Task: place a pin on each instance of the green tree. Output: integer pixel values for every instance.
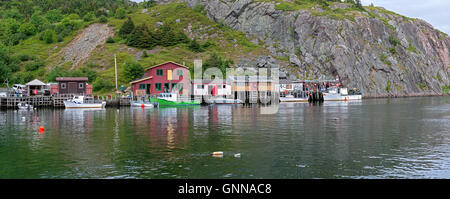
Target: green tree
(12, 13)
(149, 4)
(141, 37)
(73, 16)
(102, 84)
(32, 66)
(38, 21)
(127, 28)
(14, 39)
(49, 36)
(54, 16)
(195, 46)
(217, 61)
(167, 35)
(120, 13)
(110, 40)
(89, 17)
(5, 60)
(27, 29)
(132, 70)
(84, 72)
(103, 19)
(54, 73)
(12, 26)
(358, 4)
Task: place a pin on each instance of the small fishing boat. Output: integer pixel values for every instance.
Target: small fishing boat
(291, 98)
(340, 94)
(222, 100)
(172, 99)
(79, 102)
(142, 104)
(24, 106)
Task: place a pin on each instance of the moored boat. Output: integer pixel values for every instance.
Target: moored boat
(24, 106)
(291, 98)
(142, 104)
(340, 94)
(172, 99)
(79, 102)
(222, 100)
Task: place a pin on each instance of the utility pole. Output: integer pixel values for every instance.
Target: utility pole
(115, 67)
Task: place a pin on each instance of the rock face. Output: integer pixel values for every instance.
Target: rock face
(80, 48)
(380, 53)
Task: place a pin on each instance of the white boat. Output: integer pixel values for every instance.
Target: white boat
(291, 98)
(222, 100)
(339, 95)
(25, 106)
(78, 102)
(142, 104)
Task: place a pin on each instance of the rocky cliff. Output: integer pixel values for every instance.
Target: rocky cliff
(375, 50)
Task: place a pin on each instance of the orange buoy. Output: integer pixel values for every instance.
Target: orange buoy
(41, 129)
(217, 154)
(142, 106)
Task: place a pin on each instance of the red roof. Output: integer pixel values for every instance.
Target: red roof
(71, 79)
(171, 62)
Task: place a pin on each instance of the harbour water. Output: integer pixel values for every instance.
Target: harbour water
(373, 138)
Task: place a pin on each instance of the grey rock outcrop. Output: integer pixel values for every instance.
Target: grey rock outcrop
(80, 48)
(359, 50)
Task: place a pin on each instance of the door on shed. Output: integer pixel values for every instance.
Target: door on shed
(72, 87)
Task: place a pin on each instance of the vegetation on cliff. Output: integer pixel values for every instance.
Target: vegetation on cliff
(33, 40)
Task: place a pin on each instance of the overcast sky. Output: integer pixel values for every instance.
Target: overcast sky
(435, 12)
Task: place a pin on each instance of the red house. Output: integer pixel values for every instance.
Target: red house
(168, 77)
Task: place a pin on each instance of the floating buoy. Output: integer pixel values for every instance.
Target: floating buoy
(41, 129)
(217, 154)
(142, 106)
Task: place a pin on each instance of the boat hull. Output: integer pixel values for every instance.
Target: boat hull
(224, 101)
(338, 97)
(289, 99)
(69, 104)
(140, 104)
(162, 102)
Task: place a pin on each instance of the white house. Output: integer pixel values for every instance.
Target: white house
(208, 87)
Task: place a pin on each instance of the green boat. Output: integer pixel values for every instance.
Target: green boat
(171, 99)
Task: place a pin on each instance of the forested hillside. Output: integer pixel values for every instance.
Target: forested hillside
(49, 38)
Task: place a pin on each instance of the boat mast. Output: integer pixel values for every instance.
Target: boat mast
(115, 68)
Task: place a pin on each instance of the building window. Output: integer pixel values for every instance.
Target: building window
(142, 86)
(80, 85)
(166, 87)
(224, 86)
(63, 85)
(158, 86)
(180, 72)
(178, 86)
(159, 72)
(199, 86)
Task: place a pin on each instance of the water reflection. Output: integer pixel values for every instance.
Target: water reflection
(379, 138)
